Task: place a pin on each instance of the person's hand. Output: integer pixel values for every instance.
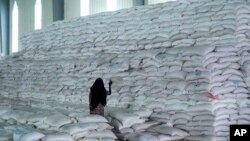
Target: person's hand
(110, 82)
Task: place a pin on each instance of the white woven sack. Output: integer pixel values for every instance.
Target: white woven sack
(199, 50)
(175, 75)
(127, 130)
(206, 138)
(163, 137)
(234, 66)
(78, 127)
(180, 106)
(102, 134)
(214, 66)
(224, 128)
(218, 106)
(26, 134)
(180, 121)
(241, 92)
(141, 137)
(219, 78)
(124, 117)
(79, 135)
(57, 120)
(117, 124)
(173, 62)
(200, 107)
(104, 126)
(144, 126)
(221, 122)
(178, 36)
(224, 111)
(5, 134)
(197, 75)
(244, 110)
(59, 137)
(226, 49)
(161, 115)
(177, 85)
(243, 121)
(183, 43)
(222, 90)
(107, 139)
(196, 86)
(163, 129)
(4, 109)
(153, 104)
(181, 116)
(143, 112)
(32, 136)
(238, 84)
(192, 64)
(91, 118)
(89, 139)
(18, 115)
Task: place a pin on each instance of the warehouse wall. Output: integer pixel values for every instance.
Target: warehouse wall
(72, 10)
(47, 15)
(26, 10)
(172, 58)
(124, 4)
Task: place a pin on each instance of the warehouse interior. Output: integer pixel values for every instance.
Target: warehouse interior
(179, 69)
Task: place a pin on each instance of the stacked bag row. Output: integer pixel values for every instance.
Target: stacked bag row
(135, 125)
(27, 124)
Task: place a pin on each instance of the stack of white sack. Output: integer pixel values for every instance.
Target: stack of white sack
(158, 133)
(126, 118)
(194, 114)
(48, 125)
(5, 135)
(167, 133)
(27, 133)
(128, 121)
(180, 98)
(7, 120)
(243, 37)
(89, 127)
(226, 88)
(188, 74)
(245, 68)
(51, 120)
(135, 125)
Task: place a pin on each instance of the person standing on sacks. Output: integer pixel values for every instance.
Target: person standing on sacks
(98, 97)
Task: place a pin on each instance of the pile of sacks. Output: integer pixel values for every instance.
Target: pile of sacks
(201, 93)
(188, 75)
(182, 99)
(227, 89)
(187, 97)
(135, 125)
(243, 37)
(39, 124)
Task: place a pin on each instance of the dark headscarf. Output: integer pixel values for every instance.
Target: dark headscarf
(98, 93)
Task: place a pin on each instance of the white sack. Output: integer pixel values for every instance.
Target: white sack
(91, 118)
(102, 134)
(59, 137)
(57, 120)
(78, 127)
(141, 137)
(163, 129)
